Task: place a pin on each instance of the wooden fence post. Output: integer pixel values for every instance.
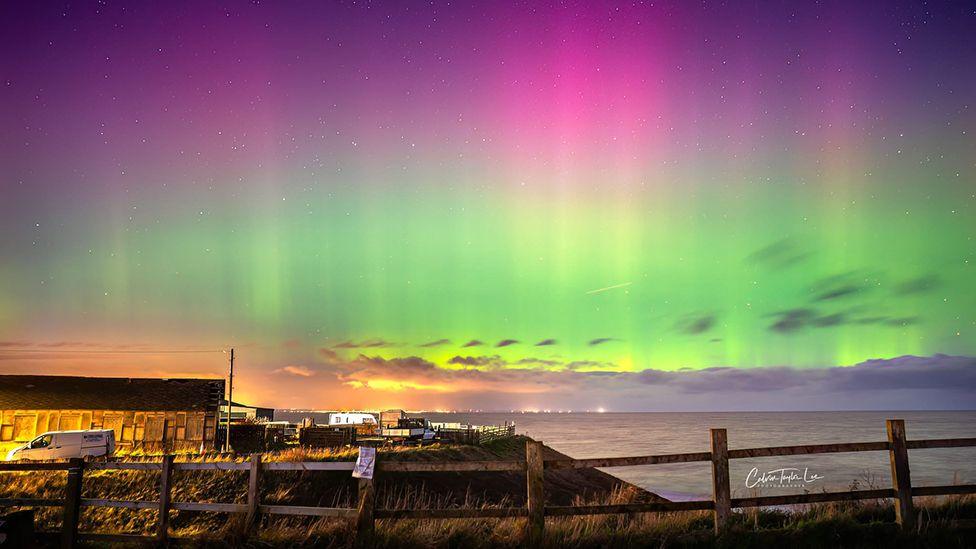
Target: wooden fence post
(901, 479)
(721, 491)
(72, 504)
(254, 489)
(365, 522)
(535, 500)
(165, 494)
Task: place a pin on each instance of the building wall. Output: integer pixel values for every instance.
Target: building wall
(133, 429)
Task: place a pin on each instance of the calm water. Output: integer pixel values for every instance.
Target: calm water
(582, 435)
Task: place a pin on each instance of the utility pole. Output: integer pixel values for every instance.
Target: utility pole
(230, 399)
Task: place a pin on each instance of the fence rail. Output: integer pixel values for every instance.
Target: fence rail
(533, 466)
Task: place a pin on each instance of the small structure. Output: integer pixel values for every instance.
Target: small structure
(327, 437)
(244, 412)
(391, 418)
(170, 414)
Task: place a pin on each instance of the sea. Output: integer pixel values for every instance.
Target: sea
(592, 435)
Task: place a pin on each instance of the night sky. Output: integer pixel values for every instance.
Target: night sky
(496, 205)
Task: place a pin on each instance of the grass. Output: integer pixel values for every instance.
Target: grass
(866, 523)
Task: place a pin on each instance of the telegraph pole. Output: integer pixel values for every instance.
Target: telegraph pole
(230, 399)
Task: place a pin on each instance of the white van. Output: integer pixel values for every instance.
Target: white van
(66, 444)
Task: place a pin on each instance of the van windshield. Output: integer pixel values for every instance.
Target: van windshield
(42, 441)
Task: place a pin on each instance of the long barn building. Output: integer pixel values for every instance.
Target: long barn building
(173, 414)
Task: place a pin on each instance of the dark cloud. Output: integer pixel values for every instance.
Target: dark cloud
(437, 343)
(589, 365)
(826, 321)
(506, 342)
(780, 254)
(601, 340)
(919, 285)
(497, 362)
(792, 320)
(871, 320)
(329, 355)
(940, 372)
(943, 382)
(888, 321)
(546, 342)
(842, 286)
(473, 343)
(697, 324)
(368, 344)
(949, 373)
(539, 362)
(839, 292)
(477, 360)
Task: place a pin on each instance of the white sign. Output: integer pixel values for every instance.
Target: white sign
(365, 463)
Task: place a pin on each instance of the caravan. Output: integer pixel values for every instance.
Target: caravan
(351, 418)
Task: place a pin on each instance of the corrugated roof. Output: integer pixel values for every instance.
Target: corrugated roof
(108, 393)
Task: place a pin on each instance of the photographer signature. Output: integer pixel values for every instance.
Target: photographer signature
(787, 476)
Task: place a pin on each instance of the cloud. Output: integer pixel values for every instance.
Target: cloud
(780, 254)
(300, 371)
(507, 342)
(792, 320)
(903, 373)
(369, 343)
(545, 342)
(919, 285)
(829, 320)
(699, 324)
(473, 343)
(601, 341)
(437, 343)
(497, 362)
(329, 354)
(490, 382)
(842, 286)
(838, 292)
(477, 360)
(538, 362)
(591, 365)
(416, 375)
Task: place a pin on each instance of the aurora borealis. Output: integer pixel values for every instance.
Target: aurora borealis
(466, 205)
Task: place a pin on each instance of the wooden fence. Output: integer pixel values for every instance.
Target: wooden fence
(534, 467)
(475, 435)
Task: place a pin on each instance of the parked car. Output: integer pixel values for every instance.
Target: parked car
(65, 445)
